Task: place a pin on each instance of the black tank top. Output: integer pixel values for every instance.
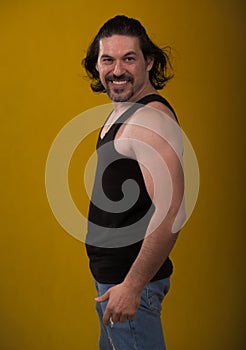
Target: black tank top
(120, 208)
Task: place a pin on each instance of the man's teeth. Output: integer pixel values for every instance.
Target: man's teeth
(119, 82)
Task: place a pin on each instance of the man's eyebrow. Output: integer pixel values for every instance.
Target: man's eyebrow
(130, 53)
(125, 55)
(107, 56)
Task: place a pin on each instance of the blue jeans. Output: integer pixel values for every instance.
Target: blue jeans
(145, 331)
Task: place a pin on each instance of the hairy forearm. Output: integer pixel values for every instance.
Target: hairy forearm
(154, 251)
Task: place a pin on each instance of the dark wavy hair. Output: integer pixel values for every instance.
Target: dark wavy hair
(161, 71)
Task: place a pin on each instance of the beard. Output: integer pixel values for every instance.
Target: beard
(119, 94)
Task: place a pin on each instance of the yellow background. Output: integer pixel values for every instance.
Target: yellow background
(46, 292)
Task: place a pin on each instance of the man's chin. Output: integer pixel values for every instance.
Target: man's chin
(119, 96)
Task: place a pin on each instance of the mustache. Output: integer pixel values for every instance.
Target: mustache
(119, 78)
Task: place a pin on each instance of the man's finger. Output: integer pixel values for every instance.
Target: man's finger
(106, 317)
(123, 319)
(103, 297)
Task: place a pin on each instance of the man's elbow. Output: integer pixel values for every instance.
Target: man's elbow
(179, 218)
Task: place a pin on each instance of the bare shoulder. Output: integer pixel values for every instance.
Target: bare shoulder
(150, 125)
(154, 127)
(152, 119)
(163, 108)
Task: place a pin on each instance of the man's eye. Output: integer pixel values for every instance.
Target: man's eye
(129, 59)
(107, 60)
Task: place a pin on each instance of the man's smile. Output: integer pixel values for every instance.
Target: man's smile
(122, 82)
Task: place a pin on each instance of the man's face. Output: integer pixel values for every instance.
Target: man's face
(122, 68)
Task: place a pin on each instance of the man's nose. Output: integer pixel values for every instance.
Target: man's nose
(119, 68)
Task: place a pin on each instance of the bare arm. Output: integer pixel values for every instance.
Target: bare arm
(164, 182)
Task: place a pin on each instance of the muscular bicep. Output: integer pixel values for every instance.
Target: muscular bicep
(162, 171)
(155, 141)
(161, 168)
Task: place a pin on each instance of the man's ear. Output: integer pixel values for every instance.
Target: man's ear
(149, 63)
(96, 66)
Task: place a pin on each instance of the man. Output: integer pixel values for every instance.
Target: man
(136, 210)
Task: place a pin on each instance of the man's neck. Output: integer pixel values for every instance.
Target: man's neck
(118, 106)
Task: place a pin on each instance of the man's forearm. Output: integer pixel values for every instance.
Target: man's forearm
(154, 251)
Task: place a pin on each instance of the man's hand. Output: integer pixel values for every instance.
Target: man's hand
(123, 303)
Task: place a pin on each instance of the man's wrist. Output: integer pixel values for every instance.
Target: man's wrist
(135, 283)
